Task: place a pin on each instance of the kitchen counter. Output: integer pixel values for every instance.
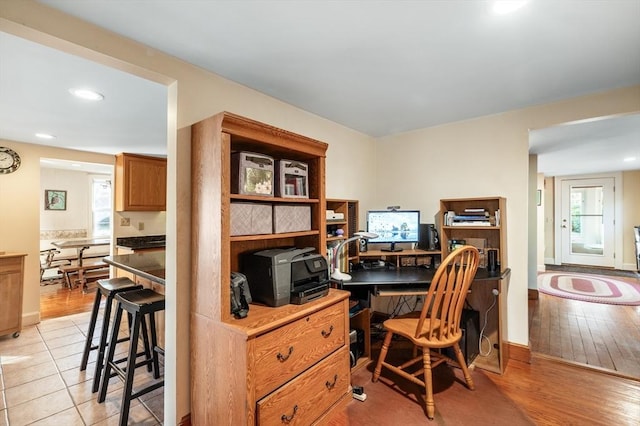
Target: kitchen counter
(141, 243)
(149, 265)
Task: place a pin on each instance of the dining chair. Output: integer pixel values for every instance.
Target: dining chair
(438, 325)
(48, 261)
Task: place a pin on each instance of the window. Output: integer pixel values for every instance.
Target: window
(101, 206)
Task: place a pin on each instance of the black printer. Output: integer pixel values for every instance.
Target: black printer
(280, 276)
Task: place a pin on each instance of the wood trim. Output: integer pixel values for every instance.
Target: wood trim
(519, 352)
(580, 365)
(532, 294)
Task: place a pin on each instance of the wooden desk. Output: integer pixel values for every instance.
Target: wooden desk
(412, 281)
(81, 245)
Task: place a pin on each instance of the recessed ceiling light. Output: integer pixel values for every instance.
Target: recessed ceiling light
(45, 136)
(87, 94)
(630, 159)
(504, 7)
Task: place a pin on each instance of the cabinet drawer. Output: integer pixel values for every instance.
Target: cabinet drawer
(304, 399)
(284, 353)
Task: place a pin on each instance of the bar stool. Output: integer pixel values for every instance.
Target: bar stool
(137, 303)
(107, 288)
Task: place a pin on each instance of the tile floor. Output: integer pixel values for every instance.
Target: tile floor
(41, 382)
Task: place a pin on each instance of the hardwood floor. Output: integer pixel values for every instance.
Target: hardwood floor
(547, 391)
(552, 392)
(600, 336)
(57, 301)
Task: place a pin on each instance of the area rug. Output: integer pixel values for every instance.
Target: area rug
(395, 401)
(589, 288)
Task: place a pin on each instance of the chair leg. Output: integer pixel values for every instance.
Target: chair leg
(383, 355)
(145, 343)
(130, 371)
(428, 384)
(154, 344)
(110, 354)
(463, 366)
(92, 327)
(102, 347)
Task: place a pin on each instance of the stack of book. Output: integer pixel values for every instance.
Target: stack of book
(470, 217)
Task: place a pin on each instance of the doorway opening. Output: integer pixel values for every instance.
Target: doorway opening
(85, 215)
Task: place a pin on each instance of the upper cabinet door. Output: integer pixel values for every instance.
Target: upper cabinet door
(140, 183)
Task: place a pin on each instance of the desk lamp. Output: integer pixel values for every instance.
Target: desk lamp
(337, 274)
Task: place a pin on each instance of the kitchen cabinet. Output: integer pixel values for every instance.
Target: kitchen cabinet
(11, 289)
(286, 364)
(140, 183)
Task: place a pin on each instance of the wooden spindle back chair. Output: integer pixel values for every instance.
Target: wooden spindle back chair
(438, 325)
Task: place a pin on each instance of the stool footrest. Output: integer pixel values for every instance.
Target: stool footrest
(117, 371)
(148, 389)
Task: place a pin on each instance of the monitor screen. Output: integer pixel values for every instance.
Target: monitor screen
(394, 226)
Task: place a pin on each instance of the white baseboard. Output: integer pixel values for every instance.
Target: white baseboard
(30, 318)
(629, 267)
(549, 261)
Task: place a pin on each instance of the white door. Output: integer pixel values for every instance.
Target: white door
(587, 221)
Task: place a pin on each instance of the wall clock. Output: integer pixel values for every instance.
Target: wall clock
(9, 160)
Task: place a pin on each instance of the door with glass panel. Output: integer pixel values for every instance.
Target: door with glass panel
(587, 221)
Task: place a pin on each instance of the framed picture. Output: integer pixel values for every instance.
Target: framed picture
(55, 199)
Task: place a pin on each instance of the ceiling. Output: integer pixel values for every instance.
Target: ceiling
(379, 67)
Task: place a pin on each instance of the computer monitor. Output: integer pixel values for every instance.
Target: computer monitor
(394, 226)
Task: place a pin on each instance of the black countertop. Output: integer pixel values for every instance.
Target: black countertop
(139, 243)
(149, 265)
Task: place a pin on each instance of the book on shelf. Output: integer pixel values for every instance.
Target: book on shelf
(475, 210)
(471, 223)
(464, 217)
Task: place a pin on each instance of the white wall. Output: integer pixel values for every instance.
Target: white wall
(486, 156)
(78, 187)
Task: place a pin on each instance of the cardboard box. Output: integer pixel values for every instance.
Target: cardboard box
(292, 179)
(252, 174)
(251, 219)
(291, 218)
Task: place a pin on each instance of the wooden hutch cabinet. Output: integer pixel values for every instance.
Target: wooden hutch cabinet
(279, 364)
(140, 183)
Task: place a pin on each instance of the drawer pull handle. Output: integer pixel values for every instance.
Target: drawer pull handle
(287, 419)
(283, 358)
(330, 385)
(327, 333)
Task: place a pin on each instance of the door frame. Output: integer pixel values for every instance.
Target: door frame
(617, 214)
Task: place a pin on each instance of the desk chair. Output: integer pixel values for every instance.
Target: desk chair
(438, 325)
